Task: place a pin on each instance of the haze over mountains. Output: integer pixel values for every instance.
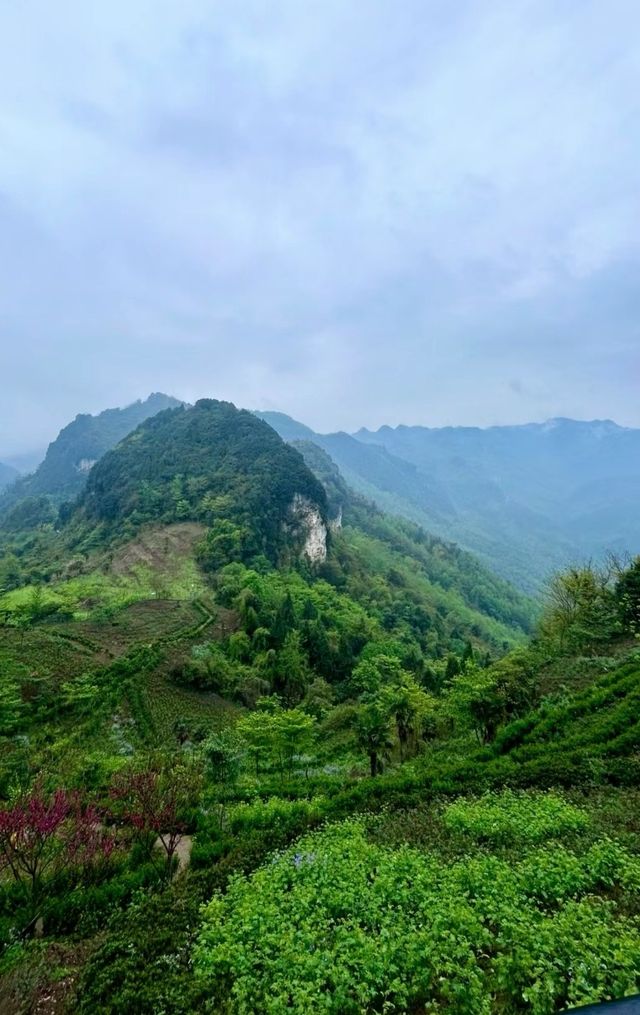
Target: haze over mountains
(69, 458)
(7, 475)
(525, 499)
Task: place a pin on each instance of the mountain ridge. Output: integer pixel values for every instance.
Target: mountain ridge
(8, 475)
(524, 498)
(82, 442)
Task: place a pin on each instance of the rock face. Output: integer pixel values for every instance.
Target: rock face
(308, 519)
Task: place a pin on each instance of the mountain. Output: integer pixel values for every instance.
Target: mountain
(214, 464)
(222, 663)
(440, 575)
(375, 472)
(70, 457)
(527, 500)
(7, 475)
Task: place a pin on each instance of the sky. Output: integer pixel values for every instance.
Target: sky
(354, 211)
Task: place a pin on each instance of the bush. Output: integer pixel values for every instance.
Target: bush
(143, 966)
(515, 817)
(343, 925)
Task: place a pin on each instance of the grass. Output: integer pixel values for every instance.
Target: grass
(156, 565)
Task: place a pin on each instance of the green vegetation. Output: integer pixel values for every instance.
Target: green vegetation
(211, 463)
(69, 458)
(340, 924)
(236, 779)
(525, 500)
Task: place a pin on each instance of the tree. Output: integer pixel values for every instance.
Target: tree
(291, 670)
(239, 646)
(276, 735)
(452, 668)
(373, 732)
(467, 655)
(223, 754)
(295, 733)
(285, 620)
(257, 731)
(319, 698)
(155, 799)
(41, 835)
(411, 708)
(485, 698)
(223, 543)
(582, 611)
(374, 671)
(627, 593)
(318, 646)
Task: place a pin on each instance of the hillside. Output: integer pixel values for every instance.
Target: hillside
(525, 499)
(210, 463)
(274, 778)
(70, 457)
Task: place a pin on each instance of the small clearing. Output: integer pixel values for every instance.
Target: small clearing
(157, 548)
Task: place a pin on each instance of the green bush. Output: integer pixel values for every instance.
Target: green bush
(515, 817)
(143, 967)
(339, 924)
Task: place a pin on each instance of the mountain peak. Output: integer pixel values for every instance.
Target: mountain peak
(216, 464)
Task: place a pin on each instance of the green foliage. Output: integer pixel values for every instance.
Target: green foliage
(224, 754)
(484, 699)
(211, 463)
(277, 737)
(582, 611)
(515, 817)
(143, 964)
(63, 472)
(392, 651)
(373, 733)
(29, 513)
(369, 927)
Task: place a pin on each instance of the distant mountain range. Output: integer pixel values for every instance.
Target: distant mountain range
(526, 499)
(63, 472)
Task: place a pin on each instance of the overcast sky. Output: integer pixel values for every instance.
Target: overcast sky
(356, 211)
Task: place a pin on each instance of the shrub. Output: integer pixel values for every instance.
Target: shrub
(343, 925)
(512, 816)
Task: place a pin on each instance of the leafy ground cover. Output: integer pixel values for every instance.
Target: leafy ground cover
(339, 923)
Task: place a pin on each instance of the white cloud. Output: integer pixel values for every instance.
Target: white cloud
(356, 212)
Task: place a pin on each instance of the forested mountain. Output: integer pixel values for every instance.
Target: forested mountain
(264, 747)
(7, 475)
(526, 499)
(77, 447)
(209, 463)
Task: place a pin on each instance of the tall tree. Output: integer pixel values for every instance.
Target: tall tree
(373, 732)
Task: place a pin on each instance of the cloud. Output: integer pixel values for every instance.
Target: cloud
(356, 213)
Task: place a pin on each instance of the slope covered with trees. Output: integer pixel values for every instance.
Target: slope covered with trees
(526, 500)
(234, 778)
(75, 450)
(210, 463)
(7, 475)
